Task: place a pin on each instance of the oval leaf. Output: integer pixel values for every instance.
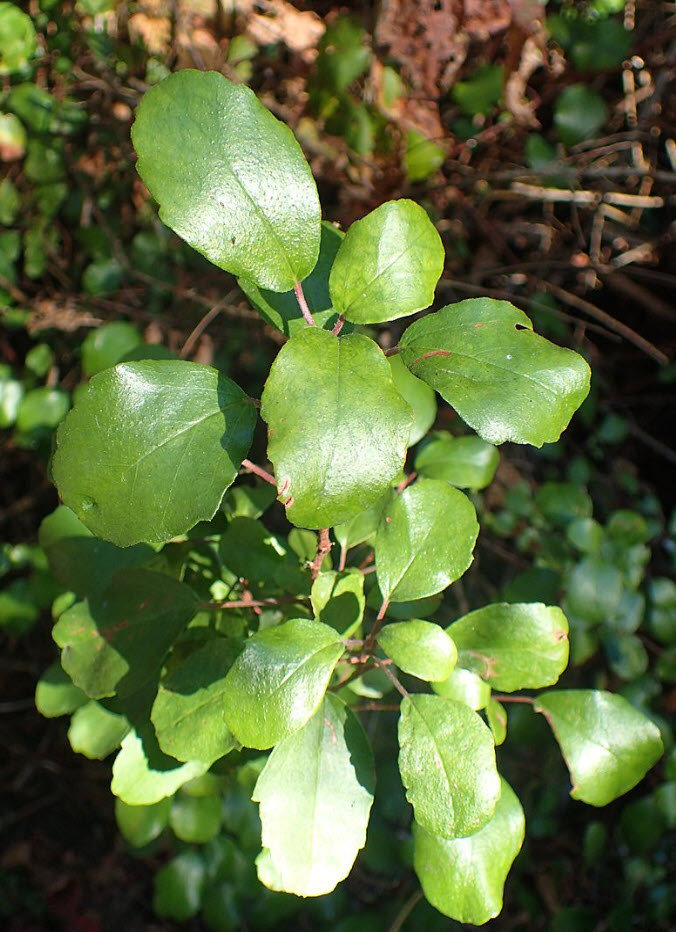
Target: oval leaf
(513, 646)
(466, 462)
(419, 648)
(607, 744)
(116, 641)
(447, 764)
(388, 264)
(230, 179)
(278, 681)
(424, 540)
(505, 381)
(338, 427)
(317, 789)
(150, 448)
(188, 711)
(418, 394)
(464, 877)
(338, 600)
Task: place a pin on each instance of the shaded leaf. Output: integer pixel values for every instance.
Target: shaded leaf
(116, 641)
(338, 600)
(466, 462)
(465, 687)
(188, 711)
(56, 694)
(139, 825)
(95, 731)
(418, 394)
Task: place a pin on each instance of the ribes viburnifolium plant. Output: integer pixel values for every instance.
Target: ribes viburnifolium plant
(197, 645)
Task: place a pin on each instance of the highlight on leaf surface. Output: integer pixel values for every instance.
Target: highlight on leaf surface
(608, 745)
(229, 177)
(150, 448)
(505, 381)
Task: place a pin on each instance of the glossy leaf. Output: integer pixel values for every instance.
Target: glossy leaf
(464, 877)
(505, 381)
(388, 265)
(513, 646)
(230, 179)
(95, 731)
(338, 427)
(143, 774)
(150, 448)
(466, 462)
(424, 541)
(338, 600)
(496, 717)
(420, 397)
(447, 764)
(81, 562)
(279, 680)
(116, 641)
(608, 745)
(282, 311)
(188, 711)
(419, 648)
(317, 789)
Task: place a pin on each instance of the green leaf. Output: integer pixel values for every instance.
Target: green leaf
(139, 825)
(505, 381)
(95, 731)
(338, 600)
(249, 550)
(513, 646)
(419, 648)
(80, 561)
(56, 694)
(608, 745)
(594, 590)
(497, 720)
(338, 427)
(362, 528)
(388, 265)
(230, 179)
(188, 711)
(422, 157)
(420, 397)
(116, 641)
(464, 877)
(282, 311)
(143, 774)
(447, 764)
(562, 502)
(195, 819)
(18, 41)
(465, 687)
(579, 114)
(178, 886)
(108, 345)
(150, 448)
(279, 680)
(317, 789)
(481, 92)
(416, 556)
(466, 462)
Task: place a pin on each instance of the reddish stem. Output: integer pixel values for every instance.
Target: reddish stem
(338, 326)
(324, 546)
(302, 303)
(259, 471)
